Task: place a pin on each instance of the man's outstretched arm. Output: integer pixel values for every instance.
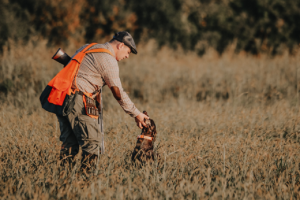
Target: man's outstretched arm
(112, 79)
(140, 118)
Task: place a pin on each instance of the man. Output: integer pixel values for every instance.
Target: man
(95, 71)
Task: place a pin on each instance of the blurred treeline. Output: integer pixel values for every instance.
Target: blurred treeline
(254, 26)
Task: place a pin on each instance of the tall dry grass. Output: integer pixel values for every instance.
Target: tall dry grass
(228, 127)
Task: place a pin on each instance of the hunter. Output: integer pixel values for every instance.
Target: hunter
(95, 71)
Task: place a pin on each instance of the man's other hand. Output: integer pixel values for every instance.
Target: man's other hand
(140, 120)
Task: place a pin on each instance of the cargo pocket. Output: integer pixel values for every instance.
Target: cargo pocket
(88, 134)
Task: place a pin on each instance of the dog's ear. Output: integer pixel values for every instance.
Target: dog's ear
(145, 113)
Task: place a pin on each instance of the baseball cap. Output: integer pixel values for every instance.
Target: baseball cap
(127, 39)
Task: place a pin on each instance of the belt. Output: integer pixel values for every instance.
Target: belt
(81, 93)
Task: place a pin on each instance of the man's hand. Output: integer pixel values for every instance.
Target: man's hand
(140, 120)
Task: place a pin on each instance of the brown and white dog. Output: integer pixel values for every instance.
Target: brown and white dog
(143, 150)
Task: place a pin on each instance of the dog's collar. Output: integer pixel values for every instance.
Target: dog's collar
(145, 137)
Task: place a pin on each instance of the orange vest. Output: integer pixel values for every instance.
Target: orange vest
(54, 96)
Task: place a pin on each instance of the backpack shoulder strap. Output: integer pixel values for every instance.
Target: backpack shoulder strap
(87, 47)
(99, 50)
(79, 56)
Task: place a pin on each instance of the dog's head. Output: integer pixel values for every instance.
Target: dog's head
(150, 130)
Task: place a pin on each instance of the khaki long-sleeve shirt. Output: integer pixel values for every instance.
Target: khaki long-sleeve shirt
(99, 69)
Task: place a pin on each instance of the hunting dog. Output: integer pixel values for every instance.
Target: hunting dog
(143, 150)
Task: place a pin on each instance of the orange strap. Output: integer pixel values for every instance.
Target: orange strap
(145, 137)
(99, 50)
(80, 55)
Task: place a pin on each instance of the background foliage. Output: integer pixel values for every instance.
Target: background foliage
(254, 25)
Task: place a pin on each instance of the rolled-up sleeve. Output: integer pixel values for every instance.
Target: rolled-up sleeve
(110, 75)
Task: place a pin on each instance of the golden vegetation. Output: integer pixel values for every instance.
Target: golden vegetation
(228, 127)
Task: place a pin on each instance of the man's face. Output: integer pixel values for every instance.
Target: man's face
(123, 52)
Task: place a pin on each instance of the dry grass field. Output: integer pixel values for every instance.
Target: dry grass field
(228, 128)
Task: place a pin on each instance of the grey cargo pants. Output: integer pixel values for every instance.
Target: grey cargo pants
(78, 129)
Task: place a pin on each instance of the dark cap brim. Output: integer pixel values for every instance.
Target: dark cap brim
(134, 51)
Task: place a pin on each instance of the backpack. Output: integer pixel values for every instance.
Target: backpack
(57, 96)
